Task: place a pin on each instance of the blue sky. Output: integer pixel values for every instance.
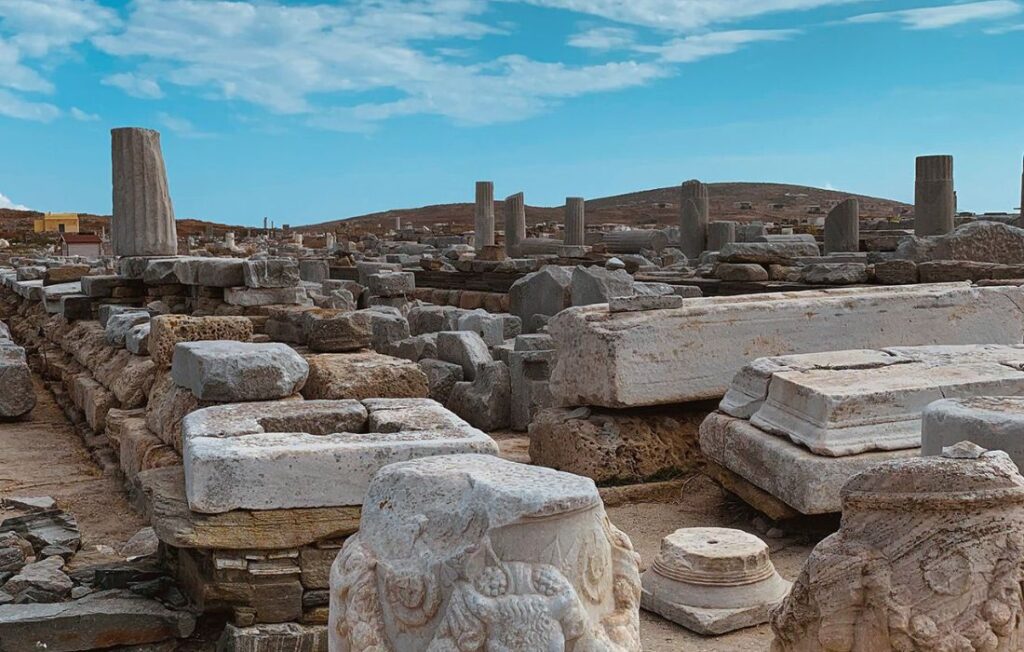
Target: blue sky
(305, 112)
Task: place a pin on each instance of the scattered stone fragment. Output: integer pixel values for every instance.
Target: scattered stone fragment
(363, 375)
(466, 349)
(486, 401)
(238, 371)
(441, 378)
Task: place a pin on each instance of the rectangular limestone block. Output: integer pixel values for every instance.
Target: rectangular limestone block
(691, 353)
(852, 411)
(168, 330)
(806, 482)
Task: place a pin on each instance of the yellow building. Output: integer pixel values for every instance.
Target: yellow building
(58, 222)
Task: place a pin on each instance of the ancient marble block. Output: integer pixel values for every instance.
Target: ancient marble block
(633, 241)
(741, 272)
(224, 370)
(211, 272)
(363, 375)
(118, 325)
(75, 306)
(485, 402)
(392, 284)
(842, 227)
(640, 303)
(314, 270)
(472, 552)
(137, 339)
(143, 216)
(246, 296)
(441, 378)
(464, 348)
(597, 285)
(927, 557)
(100, 286)
(166, 331)
(270, 272)
(806, 482)
(691, 353)
(992, 422)
(766, 253)
(835, 274)
(332, 331)
(530, 378)
(17, 394)
(284, 455)
(988, 242)
(543, 293)
(712, 580)
(845, 412)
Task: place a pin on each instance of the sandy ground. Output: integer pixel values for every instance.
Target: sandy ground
(42, 455)
(699, 503)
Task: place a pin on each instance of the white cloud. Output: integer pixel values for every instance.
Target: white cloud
(15, 106)
(603, 38)
(1005, 29)
(82, 116)
(181, 126)
(694, 48)
(944, 16)
(683, 15)
(134, 85)
(5, 202)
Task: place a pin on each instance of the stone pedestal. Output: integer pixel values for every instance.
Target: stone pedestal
(474, 553)
(721, 233)
(515, 223)
(484, 214)
(928, 557)
(713, 580)
(934, 199)
(143, 218)
(693, 218)
(842, 227)
(575, 226)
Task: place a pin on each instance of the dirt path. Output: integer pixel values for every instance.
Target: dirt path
(42, 455)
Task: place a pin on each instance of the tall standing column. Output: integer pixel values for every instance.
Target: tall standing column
(693, 218)
(515, 223)
(1021, 221)
(842, 227)
(484, 216)
(143, 220)
(934, 199)
(575, 225)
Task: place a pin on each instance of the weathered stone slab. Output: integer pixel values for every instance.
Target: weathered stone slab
(17, 394)
(766, 253)
(168, 330)
(246, 296)
(808, 483)
(332, 331)
(90, 624)
(270, 273)
(238, 371)
(363, 375)
(988, 242)
(540, 294)
(486, 401)
(691, 353)
(211, 272)
(992, 422)
(116, 330)
(310, 453)
(464, 348)
(176, 525)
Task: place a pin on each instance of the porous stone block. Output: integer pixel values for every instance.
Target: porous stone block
(616, 446)
(479, 516)
(713, 580)
(808, 483)
(166, 331)
(916, 536)
(992, 422)
(288, 455)
(270, 272)
(363, 375)
(221, 370)
(466, 349)
(64, 274)
(982, 241)
(691, 353)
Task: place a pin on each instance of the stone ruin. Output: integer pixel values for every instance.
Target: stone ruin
(553, 437)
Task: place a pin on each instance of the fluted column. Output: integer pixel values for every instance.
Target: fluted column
(934, 199)
(143, 219)
(575, 226)
(515, 223)
(842, 227)
(484, 215)
(721, 233)
(693, 218)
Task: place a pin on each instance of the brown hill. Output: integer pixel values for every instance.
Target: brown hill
(657, 207)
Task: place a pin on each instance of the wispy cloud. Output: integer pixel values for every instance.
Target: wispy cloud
(82, 116)
(5, 202)
(15, 106)
(134, 85)
(181, 126)
(603, 38)
(694, 48)
(944, 16)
